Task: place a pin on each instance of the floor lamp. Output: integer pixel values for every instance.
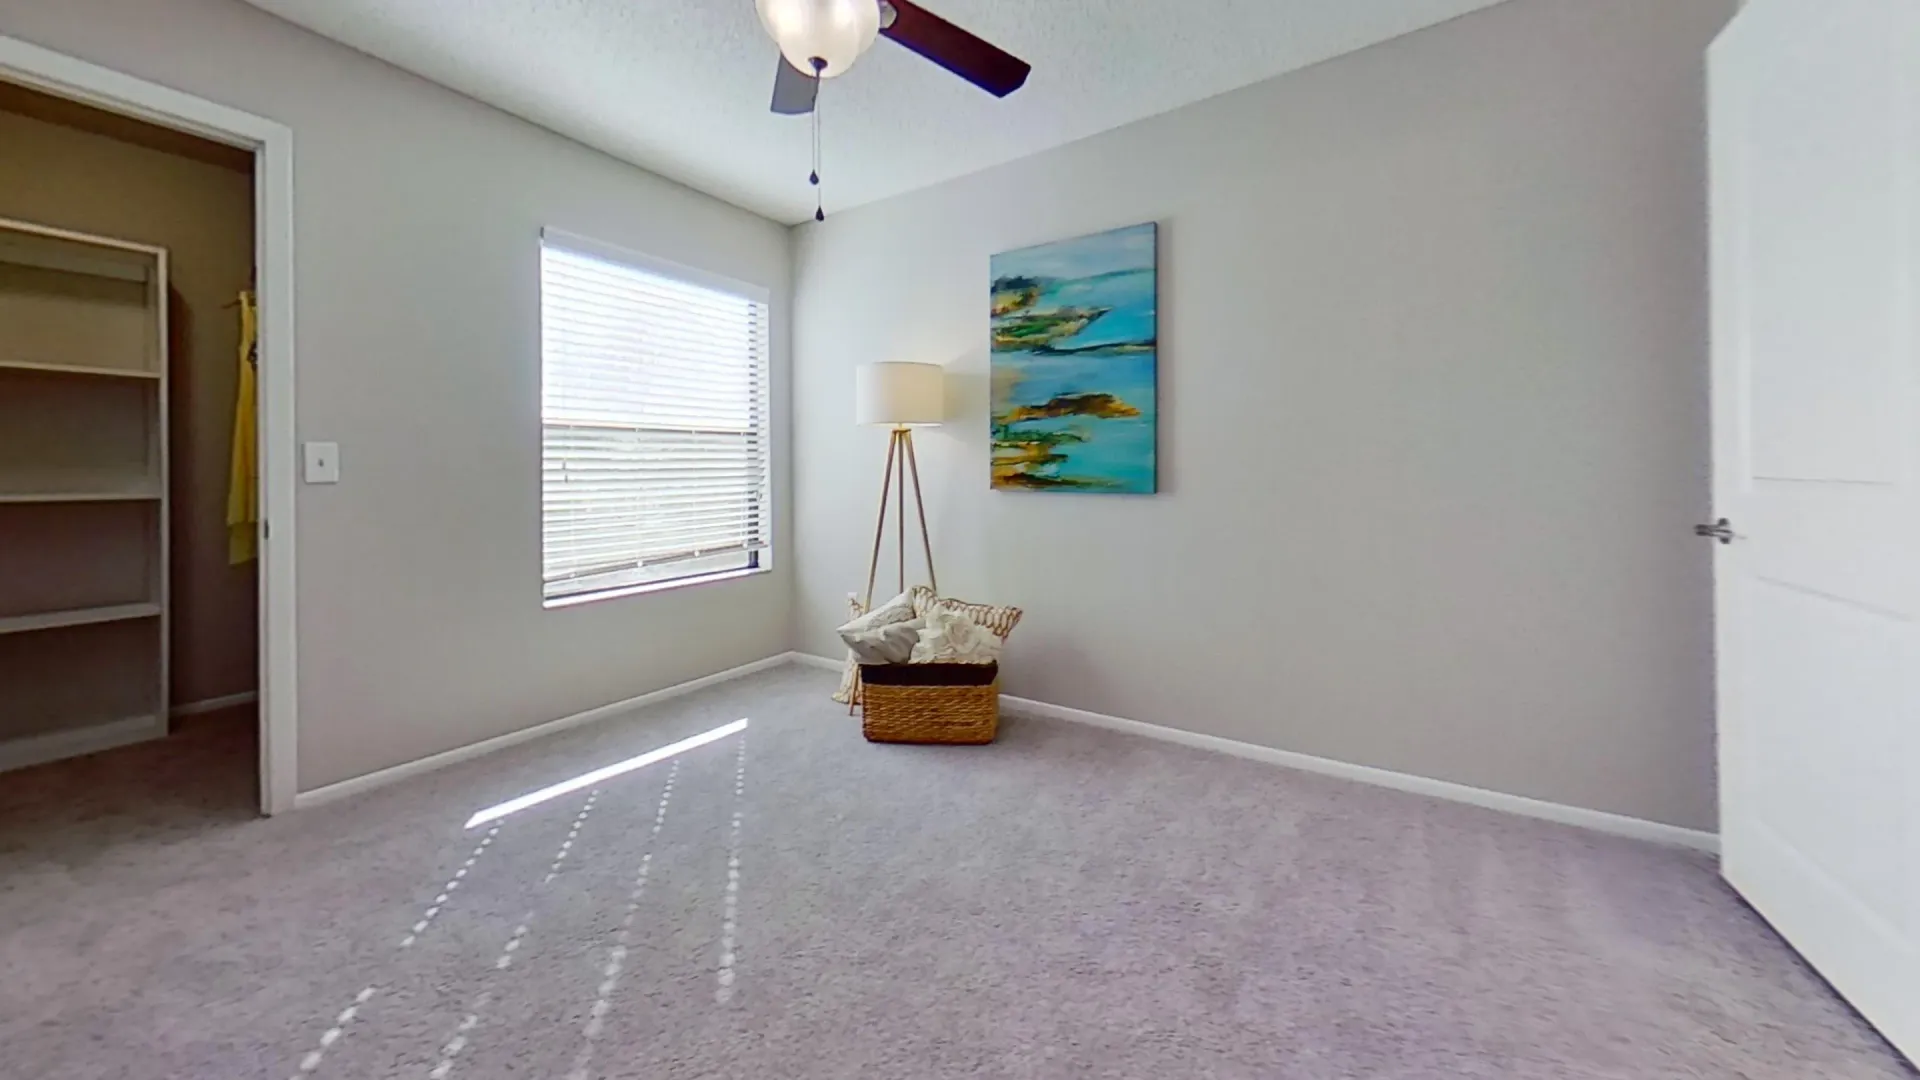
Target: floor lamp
(902, 396)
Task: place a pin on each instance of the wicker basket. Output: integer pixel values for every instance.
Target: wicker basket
(947, 704)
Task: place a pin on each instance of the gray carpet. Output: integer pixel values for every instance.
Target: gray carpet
(794, 903)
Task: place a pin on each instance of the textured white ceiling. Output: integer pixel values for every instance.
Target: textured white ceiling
(681, 86)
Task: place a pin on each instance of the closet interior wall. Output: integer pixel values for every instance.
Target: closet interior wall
(119, 343)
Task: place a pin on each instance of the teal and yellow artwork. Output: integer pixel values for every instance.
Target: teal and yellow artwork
(1075, 364)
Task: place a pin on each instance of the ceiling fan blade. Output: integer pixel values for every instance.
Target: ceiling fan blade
(981, 63)
(793, 90)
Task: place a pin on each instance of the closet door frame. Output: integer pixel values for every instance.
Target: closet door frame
(272, 146)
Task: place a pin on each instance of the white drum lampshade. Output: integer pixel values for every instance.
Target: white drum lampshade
(900, 394)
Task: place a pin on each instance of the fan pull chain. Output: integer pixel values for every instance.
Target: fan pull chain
(819, 207)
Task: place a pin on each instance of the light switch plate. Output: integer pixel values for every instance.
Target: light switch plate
(323, 462)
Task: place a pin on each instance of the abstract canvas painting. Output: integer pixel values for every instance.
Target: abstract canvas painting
(1076, 364)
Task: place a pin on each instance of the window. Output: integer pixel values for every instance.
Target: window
(653, 423)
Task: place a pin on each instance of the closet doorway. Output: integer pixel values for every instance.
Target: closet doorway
(146, 607)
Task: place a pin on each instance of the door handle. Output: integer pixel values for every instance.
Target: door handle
(1721, 530)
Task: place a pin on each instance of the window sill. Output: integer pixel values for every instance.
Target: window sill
(653, 587)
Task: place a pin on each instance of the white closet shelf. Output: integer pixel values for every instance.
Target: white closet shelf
(68, 257)
(124, 493)
(82, 337)
(8, 498)
(40, 367)
(68, 740)
(55, 620)
(77, 485)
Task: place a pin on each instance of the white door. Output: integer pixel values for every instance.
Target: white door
(1815, 118)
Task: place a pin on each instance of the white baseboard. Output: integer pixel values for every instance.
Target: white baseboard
(348, 788)
(199, 708)
(821, 662)
(1597, 820)
(40, 749)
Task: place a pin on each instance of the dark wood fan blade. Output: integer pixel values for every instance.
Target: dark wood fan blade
(981, 63)
(793, 91)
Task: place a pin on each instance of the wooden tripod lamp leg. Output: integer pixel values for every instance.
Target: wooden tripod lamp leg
(926, 538)
(880, 526)
(904, 438)
(879, 534)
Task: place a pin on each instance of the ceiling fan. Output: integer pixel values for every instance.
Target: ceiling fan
(819, 39)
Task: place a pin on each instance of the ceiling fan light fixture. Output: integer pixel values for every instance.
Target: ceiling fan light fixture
(825, 34)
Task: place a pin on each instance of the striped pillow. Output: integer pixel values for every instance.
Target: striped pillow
(998, 618)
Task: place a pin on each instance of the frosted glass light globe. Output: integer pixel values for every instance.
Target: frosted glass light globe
(836, 31)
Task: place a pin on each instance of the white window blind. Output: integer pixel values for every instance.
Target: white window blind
(654, 402)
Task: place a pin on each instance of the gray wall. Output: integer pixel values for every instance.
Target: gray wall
(417, 292)
(1433, 411)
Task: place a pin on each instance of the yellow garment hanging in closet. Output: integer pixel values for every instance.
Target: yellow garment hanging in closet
(243, 485)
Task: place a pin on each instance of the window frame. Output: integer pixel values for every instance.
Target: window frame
(761, 561)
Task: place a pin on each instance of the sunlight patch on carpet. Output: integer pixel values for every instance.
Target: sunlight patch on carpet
(618, 768)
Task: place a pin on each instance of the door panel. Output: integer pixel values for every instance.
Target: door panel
(1812, 657)
(1824, 274)
(1816, 416)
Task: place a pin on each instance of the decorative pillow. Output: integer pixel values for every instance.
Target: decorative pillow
(897, 610)
(998, 620)
(950, 637)
(889, 644)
